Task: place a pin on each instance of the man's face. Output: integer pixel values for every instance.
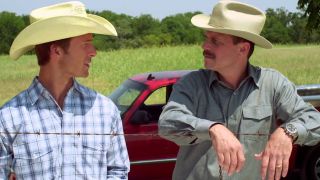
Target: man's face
(76, 61)
(219, 51)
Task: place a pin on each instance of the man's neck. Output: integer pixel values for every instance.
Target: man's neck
(233, 78)
(57, 85)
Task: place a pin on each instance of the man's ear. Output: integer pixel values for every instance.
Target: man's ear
(55, 51)
(244, 48)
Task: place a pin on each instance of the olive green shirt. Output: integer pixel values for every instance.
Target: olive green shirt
(200, 100)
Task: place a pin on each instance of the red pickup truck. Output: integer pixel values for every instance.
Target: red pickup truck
(140, 100)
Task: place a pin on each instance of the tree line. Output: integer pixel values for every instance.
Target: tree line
(281, 27)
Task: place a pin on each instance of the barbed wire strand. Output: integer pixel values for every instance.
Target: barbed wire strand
(112, 134)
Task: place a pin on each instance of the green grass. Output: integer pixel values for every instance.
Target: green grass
(300, 63)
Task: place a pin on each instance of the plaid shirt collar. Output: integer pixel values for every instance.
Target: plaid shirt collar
(37, 90)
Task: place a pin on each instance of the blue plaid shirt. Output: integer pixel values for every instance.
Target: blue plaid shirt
(38, 140)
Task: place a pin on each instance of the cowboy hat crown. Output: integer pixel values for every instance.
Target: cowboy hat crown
(59, 21)
(235, 18)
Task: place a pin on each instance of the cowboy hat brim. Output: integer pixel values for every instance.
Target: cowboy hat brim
(56, 28)
(202, 21)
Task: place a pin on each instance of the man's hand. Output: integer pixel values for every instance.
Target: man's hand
(12, 176)
(275, 157)
(229, 149)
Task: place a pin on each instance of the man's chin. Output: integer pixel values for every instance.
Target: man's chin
(210, 67)
(208, 63)
(209, 59)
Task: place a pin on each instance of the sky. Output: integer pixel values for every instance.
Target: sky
(157, 8)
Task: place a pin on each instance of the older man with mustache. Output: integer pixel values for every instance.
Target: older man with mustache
(225, 117)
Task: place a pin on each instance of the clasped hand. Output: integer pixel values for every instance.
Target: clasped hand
(274, 159)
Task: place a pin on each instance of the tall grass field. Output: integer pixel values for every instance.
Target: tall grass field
(300, 63)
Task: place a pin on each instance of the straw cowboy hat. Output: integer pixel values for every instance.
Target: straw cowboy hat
(235, 18)
(57, 22)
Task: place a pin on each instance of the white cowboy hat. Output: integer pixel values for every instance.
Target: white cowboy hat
(59, 21)
(237, 19)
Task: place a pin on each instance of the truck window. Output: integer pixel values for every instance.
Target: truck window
(151, 109)
(157, 97)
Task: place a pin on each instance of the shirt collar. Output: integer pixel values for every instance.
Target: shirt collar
(253, 72)
(36, 90)
(213, 77)
(77, 87)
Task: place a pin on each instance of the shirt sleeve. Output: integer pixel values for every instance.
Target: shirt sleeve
(290, 107)
(178, 122)
(6, 156)
(117, 155)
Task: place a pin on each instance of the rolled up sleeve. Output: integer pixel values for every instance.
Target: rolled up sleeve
(178, 122)
(292, 108)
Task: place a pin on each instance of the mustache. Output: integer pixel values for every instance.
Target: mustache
(209, 54)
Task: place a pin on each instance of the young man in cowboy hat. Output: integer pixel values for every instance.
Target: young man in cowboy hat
(58, 128)
(222, 116)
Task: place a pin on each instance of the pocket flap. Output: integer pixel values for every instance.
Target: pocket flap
(90, 147)
(257, 112)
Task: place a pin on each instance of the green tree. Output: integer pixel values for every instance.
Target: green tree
(311, 10)
(151, 40)
(145, 25)
(181, 30)
(10, 26)
(25, 19)
(298, 32)
(122, 24)
(276, 27)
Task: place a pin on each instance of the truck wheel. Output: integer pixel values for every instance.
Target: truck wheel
(311, 166)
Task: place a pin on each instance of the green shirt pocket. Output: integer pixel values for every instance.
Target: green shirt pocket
(256, 120)
(255, 128)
